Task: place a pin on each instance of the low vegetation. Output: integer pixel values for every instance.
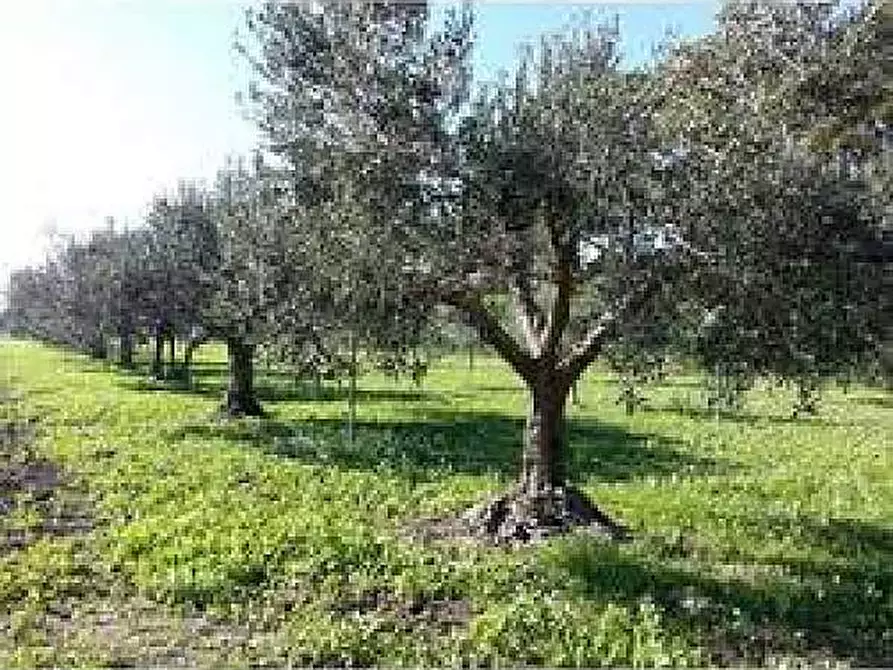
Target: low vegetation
(140, 527)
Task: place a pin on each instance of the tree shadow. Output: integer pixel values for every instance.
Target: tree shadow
(885, 402)
(209, 379)
(467, 442)
(741, 417)
(309, 392)
(500, 389)
(145, 384)
(836, 607)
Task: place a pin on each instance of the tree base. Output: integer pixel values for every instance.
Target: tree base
(236, 406)
(521, 516)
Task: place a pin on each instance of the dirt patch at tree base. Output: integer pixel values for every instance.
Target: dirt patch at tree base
(521, 516)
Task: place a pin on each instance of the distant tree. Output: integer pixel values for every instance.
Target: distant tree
(249, 281)
(183, 262)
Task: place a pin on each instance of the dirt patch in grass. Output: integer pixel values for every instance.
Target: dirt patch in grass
(421, 611)
(30, 483)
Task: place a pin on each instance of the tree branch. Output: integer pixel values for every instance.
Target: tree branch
(528, 302)
(492, 332)
(561, 307)
(529, 316)
(605, 327)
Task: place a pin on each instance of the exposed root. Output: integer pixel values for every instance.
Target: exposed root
(521, 516)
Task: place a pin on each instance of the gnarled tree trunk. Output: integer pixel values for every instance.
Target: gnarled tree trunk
(240, 397)
(543, 502)
(545, 439)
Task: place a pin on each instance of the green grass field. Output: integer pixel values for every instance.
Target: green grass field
(137, 528)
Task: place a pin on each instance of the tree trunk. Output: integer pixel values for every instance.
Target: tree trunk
(158, 360)
(240, 398)
(126, 353)
(543, 502)
(545, 440)
(172, 358)
(98, 347)
(352, 390)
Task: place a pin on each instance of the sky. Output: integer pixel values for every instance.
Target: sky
(107, 102)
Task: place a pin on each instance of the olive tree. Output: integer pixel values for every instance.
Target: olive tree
(557, 214)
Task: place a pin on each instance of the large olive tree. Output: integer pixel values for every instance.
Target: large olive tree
(556, 213)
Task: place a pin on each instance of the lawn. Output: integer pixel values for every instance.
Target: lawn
(139, 528)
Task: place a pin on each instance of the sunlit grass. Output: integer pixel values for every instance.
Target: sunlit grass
(273, 540)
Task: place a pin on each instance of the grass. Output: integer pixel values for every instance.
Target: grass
(143, 530)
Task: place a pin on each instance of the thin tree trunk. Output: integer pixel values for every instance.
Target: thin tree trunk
(352, 390)
(470, 356)
(158, 361)
(192, 343)
(240, 397)
(545, 440)
(98, 347)
(126, 353)
(172, 357)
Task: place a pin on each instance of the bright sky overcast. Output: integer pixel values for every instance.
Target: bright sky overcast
(107, 102)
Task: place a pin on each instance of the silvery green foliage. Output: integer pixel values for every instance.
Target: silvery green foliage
(496, 213)
(352, 98)
(789, 210)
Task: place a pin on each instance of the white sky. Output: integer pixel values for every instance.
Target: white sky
(104, 104)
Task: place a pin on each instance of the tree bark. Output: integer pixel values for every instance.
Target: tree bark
(126, 353)
(172, 358)
(352, 390)
(544, 461)
(240, 397)
(98, 348)
(158, 361)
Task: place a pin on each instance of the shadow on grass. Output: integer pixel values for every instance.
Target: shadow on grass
(309, 392)
(839, 606)
(500, 389)
(742, 417)
(210, 380)
(466, 442)
(884, 402)
(150, 384)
